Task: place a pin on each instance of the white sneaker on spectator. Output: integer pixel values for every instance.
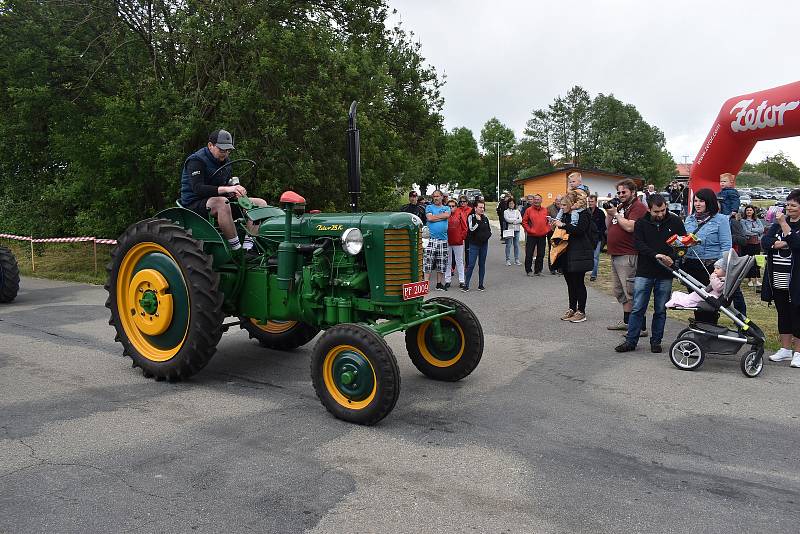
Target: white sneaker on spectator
(508, 262)
(781, 355)
(795, 360)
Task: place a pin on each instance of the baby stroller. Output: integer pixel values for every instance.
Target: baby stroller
(689, 350)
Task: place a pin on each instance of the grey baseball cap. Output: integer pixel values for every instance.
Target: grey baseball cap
(222, 139)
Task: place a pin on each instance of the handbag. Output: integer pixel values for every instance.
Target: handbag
(558, 244)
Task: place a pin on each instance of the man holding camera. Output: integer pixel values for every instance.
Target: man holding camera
(621, 215)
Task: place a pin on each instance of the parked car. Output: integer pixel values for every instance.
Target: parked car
(472, 193)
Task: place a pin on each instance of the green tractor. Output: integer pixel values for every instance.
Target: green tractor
(173, 280)
(9, 275)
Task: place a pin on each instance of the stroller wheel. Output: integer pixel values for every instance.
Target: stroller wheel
(752, 363)
(686, 354)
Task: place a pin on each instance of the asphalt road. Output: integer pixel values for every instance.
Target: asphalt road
(553, 432)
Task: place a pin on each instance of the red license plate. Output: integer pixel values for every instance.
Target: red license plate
(417, 289)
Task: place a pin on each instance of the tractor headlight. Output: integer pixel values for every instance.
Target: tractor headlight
(352, 241)
(426, 232)
(416, 220)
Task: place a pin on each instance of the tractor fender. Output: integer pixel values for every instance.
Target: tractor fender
(214, 244)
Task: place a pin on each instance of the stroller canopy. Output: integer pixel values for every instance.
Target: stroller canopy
(736, 267)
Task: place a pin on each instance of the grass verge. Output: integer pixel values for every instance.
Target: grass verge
(764, 316)
(73, 262)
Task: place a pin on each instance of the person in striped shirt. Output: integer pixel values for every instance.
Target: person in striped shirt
(782, 277)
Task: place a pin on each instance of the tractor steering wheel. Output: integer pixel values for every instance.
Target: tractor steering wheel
(243, 202)
(252, 166)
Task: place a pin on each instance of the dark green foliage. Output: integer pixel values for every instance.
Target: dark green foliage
(460, 161)
(102, 102)
(774, 170)
(604, 133)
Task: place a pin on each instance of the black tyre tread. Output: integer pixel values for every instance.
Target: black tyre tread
(10, 278)
(206, 316)
(699, 363)
(472, 353)
(743, 366)
(297, 336)
(384, 364)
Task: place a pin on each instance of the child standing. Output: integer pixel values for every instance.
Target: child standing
(728, 195)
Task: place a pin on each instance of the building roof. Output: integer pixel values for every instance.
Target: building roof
(683, 169)
(581, 169)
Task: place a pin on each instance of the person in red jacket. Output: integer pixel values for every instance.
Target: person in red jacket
(536, 229)
(456, 234)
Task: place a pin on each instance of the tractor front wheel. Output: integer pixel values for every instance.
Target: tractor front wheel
(9, 275)
(164, 298)
(279, 335)
(355, 374)
(456, 352)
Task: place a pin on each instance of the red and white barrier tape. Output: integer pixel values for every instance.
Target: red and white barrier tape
(60, 239)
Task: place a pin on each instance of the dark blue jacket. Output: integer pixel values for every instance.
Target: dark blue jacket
(210, 165)
(729, 201)
(793, 240)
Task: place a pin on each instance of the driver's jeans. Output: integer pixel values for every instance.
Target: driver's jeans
(642, 288)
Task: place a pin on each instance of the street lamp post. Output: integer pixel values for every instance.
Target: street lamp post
(498, 169)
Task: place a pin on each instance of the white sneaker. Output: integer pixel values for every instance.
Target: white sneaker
(782, 355)
(508, 262)
(796, 360)
(517, 262)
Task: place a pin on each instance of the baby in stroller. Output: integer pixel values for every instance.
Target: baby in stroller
(692, 345)
(679, 299)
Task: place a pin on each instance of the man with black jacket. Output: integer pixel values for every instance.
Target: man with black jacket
(650, 234)
(414, 207)
(599, 219)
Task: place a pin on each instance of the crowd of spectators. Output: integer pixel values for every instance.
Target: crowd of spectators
(571, 232)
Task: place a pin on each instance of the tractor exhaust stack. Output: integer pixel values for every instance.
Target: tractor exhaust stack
(353, 158)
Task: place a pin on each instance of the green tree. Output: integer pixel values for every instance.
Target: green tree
(496, 136)
(102, 102)
(604, 133)
(460, 161)
(539, 132)
(621, 141)
(779, 168)
(530, 159)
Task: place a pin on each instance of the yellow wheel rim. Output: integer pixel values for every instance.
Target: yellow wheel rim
(275, 327)
(442, 356)
(148, 284)
(356, 394)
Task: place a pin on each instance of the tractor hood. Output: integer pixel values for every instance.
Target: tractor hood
(306, 228)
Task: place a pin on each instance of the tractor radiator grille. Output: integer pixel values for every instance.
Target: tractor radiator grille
(399, 256)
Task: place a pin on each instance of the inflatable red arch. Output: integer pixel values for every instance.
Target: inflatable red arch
(742, 122)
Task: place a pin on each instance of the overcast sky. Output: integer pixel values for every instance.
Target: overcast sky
(676, 61)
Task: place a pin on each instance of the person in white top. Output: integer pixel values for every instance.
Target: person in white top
(513, 219)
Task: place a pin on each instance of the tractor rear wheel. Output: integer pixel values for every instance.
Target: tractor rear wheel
(9, 275)
(355, 374)
(164, 299)
(459, 351)
(279, 335)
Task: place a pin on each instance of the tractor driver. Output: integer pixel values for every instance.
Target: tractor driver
(201, 194)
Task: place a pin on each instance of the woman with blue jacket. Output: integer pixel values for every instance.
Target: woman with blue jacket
(714, 233)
